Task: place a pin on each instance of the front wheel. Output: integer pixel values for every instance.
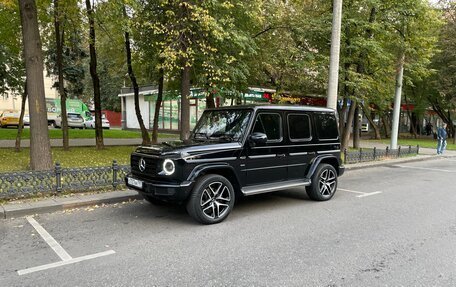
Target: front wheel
(212, 199)
(324, 183)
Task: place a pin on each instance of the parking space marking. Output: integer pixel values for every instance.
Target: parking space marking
(65, 262)
(361, 194)
(49, 239)
(426, 168)
(66, 258)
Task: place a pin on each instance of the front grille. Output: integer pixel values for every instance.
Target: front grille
(151, 166)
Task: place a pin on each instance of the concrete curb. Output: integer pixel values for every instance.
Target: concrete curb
(2, 212)
(370, 164)
(13, 210)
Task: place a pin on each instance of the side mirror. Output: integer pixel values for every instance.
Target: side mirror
(258, 139)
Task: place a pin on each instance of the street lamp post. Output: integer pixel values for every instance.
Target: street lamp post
(335, 54)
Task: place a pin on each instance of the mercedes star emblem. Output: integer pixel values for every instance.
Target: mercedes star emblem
(142, 164)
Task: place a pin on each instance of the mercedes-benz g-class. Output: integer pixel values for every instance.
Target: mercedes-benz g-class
(241, 151)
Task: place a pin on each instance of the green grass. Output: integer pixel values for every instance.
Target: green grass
(76, 157)
(10, 134)
(426, 143)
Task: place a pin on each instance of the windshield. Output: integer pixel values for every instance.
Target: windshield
(74, 116)
(12, 115)
(229, 125)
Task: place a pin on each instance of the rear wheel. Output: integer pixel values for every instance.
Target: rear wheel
(212, 199)
(324, 183)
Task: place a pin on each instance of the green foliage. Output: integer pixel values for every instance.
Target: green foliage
(74, 54)
(12, 69)
(231, 45)
(445, 62)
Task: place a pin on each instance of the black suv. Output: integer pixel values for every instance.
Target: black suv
(241, 151)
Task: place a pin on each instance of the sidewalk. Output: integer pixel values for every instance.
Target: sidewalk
(423, 151)
(47, 205)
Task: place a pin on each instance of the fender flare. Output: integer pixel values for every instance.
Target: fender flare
(316, 162)
(197, 170)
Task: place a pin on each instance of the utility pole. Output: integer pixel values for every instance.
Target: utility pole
(397, 102)
(333, 81)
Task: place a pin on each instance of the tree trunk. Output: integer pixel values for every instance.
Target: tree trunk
(411, 118)
(342, 113)
(59, 40)
(95, 78)
(40, 146)
(185, 103)
(371, 122)
(386, 125)
(158, 104)
(346, 134)
(210, 104)
(131, 74)
(21, 120)
(356, 127)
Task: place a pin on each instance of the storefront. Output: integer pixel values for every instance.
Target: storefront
(169, 115)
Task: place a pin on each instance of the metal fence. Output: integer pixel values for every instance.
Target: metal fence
(90, 178)
(363, 155)
(62, 179)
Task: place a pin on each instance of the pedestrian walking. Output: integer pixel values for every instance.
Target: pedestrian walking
(441, 138)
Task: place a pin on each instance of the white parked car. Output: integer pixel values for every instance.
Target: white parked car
(74, 121)
(90, 122)
(26, 120)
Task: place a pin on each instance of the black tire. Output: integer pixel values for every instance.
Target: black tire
(153, 200)
(324, 183)
(211, 200)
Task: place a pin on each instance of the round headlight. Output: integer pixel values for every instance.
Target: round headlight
(168, 167)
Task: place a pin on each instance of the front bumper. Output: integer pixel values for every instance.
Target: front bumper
(162, 190)
(341, 170)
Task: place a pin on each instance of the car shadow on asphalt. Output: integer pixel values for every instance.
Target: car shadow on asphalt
(250, 204)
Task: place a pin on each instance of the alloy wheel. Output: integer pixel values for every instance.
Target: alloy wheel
(215, 200)
(327, 182)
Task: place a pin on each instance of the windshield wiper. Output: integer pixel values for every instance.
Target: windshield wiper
(228, 138)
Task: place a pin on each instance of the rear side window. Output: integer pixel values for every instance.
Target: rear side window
(326, 126)
(299, 127)
(269, 124)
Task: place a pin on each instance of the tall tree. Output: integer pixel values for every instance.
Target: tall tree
(59, 42)
(40, 147)
(158, 104)
(131, 74)
(440, 88)
(95, 78)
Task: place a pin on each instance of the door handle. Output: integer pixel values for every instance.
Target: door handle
(280, 155)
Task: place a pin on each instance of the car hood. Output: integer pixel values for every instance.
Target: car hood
(182, 149)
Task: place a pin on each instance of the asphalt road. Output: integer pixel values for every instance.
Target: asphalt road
(386, 226)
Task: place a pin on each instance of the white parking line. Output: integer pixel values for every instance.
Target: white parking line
(361, 194)
(66, 262)
(66, 258)
(426, 168)
(49, 239)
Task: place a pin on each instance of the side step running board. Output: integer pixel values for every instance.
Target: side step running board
(263, 188)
